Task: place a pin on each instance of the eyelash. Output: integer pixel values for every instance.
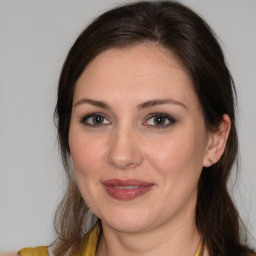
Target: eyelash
(164, 116)
(85, 119)
(160, 115)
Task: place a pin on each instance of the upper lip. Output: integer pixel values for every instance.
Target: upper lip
(128, 182)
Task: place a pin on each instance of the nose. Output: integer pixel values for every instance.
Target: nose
(125, 151)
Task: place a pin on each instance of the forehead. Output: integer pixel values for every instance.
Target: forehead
(136, 72)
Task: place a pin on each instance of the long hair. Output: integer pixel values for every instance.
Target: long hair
(181, 31)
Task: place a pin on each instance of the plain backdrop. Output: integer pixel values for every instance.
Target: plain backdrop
(35, 37)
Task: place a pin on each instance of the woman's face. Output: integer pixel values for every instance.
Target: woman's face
(137, 138)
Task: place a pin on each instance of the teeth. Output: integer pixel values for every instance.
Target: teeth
(126, 187)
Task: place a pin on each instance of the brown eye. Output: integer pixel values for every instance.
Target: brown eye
(159, 120)
(95, 120)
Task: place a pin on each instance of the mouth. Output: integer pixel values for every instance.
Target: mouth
(126, 189)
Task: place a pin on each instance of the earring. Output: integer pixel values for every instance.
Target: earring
(211, 160)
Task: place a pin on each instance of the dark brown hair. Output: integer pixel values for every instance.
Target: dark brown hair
(181, 31)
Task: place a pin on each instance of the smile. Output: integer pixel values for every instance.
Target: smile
(126, 189)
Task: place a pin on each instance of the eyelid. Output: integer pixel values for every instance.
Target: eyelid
(90, 115)
(162, 115)
(170, 120)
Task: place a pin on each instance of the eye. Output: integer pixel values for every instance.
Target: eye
(159, 120)
(95, 120)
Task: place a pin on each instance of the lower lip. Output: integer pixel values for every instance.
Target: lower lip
(127, 193)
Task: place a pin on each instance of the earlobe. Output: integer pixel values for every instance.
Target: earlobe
(217, 142)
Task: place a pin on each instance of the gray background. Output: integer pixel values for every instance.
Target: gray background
(34, 39)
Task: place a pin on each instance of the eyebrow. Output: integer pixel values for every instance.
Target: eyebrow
(96, 103)
(147, 104)
(157, 102)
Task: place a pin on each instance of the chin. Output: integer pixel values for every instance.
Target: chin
(129, 222)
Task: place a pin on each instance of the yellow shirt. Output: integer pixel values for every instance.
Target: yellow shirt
(88, 249)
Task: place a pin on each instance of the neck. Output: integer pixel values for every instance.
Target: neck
(171, 239)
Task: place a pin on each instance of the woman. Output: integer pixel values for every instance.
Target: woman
(146, 125)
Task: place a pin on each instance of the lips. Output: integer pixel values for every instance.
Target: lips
(126, 189)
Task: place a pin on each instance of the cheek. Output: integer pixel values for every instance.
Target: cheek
(86, 154)
(180, 153)
(87, 159)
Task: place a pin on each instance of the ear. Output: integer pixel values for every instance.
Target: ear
(217, 142)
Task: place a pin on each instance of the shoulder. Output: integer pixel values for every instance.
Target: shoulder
(91, 239)
(37, 251)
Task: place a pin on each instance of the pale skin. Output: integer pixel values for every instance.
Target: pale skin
(136, 116)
